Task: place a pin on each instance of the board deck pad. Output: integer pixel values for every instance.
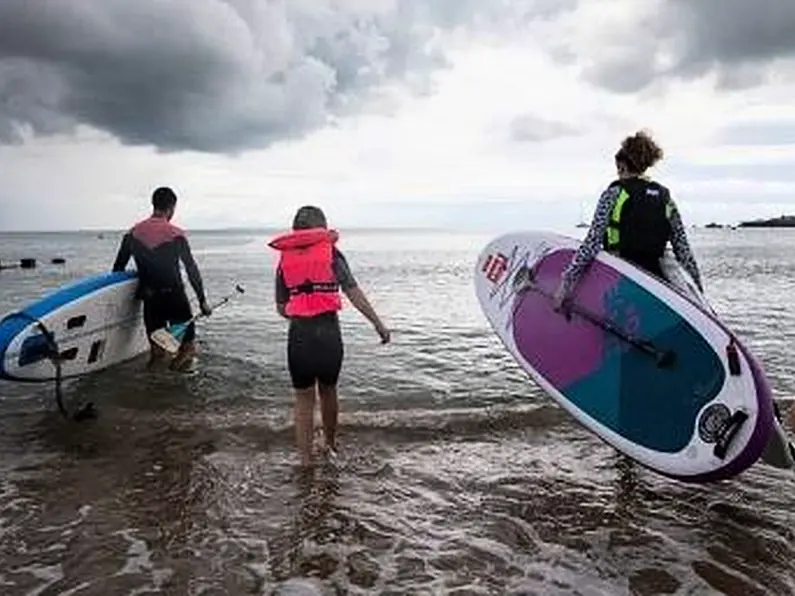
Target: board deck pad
(659, 415)
(96, 323)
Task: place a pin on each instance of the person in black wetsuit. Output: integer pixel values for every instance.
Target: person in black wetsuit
(635, 219)
(157, 247)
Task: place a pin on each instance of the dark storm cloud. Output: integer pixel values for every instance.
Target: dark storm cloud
(217, 75)
(729, 33)
(738, 40)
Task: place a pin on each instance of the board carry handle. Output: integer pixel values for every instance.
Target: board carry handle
(663, 358)
(733, 359)
(726, 434)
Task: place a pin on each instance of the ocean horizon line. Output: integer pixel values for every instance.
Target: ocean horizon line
(234, 229)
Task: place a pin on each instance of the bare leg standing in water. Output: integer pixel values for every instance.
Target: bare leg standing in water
(314, 359)
(303, 415)
(329, 408)
(310, 276)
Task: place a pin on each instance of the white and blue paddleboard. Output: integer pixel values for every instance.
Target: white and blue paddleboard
(96, 322)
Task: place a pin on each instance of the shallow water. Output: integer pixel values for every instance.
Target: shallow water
(456, 474)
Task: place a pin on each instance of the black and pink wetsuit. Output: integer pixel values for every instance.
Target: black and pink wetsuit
(157, 247)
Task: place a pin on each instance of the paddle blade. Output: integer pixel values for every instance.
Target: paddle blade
(164, 340)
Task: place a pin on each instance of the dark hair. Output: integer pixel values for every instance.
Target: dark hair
(163, 199)
(309, 216)
(639, 152)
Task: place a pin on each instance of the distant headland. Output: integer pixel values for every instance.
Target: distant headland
(785, 221)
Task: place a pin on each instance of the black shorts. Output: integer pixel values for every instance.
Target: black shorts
(314, 351)
(168, 308)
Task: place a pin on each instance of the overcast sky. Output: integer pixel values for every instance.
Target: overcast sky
(453, 113)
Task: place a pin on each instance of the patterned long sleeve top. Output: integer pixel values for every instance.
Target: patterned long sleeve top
(592, 243)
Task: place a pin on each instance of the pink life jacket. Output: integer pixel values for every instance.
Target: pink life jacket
(306, 266)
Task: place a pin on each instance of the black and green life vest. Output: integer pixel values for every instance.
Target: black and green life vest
(639, 226)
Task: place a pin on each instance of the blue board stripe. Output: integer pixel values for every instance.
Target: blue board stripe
(12, 324)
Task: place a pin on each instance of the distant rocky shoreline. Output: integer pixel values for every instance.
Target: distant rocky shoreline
(785, 221)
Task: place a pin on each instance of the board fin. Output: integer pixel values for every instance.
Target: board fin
(728, 432)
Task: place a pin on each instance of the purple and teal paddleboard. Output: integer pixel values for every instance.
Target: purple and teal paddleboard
(646, 367)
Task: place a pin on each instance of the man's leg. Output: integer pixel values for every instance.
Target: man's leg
(154, 318)
(156, 354)
(185, 356)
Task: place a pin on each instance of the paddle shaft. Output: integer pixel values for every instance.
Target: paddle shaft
(663, 357)
(218, 304)
(180, 329)
(610, 327)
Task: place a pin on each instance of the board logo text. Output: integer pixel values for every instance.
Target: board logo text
(494, 267)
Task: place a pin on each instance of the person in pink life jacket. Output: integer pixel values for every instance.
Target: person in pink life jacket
(158, 246)
(310, 275)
